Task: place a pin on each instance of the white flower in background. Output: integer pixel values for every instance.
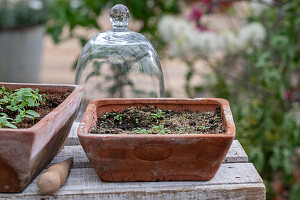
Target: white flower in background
(178, 33)
(185, 40)
(76, 4)
(258, 6)
(229, 41)
(251, 35)
(207, 42)
(35, 4)
(181, 46)
(164, 26)
(170, 27)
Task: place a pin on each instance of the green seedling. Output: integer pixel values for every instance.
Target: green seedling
(141, 131)
(5, 121)
(160, 130)
(145, 131)
(106, 115)
(181, 130)
(159, 115)
(20, 101)
(119, 118)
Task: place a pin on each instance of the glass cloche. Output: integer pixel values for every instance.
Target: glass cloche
(119, 63)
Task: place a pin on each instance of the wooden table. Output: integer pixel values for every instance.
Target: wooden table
(236, 179)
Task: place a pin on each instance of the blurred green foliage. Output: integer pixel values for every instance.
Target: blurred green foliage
(21, 13)
(260, 86)
(60, 15)
(84, 13)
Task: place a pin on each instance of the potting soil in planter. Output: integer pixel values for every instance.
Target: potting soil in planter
(151, 120)
(50, 101)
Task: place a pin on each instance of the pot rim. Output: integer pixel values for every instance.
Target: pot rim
(45, 119)
(230, 126)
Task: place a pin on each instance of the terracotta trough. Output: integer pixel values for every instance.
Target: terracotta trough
(24, 153)
(144, 157)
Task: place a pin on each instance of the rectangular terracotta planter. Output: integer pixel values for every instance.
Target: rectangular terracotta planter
(155, 157)
(24, 153)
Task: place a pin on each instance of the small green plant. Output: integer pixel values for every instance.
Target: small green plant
(141, 131)
(19, 101)
(5, 121)
(160, 130)
(115, 116)
(154, 130)
(106, 115)
(119, 118)
(159, 115)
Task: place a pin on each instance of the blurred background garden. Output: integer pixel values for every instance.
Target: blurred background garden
(245, 51)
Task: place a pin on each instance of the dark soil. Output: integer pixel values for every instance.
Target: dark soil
(150, 120)
(51, 102)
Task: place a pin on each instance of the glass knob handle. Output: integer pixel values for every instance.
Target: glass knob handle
(119, 16)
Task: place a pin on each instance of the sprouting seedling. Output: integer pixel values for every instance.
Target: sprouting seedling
(20, 101)
(160, 129)
(26, 113)
(6, 121)
(119, 118)
(159, 115)
(180, 130)
(141, 131)
(145, 131)
(27, 97)
(107, 114)
(32, 114)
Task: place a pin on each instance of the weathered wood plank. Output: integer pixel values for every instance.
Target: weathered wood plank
(255, 191)
(80, 159)
(236, 153)
(233, 180)
(73, 139)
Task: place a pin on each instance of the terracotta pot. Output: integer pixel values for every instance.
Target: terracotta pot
(25, 152)
(155, 157)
